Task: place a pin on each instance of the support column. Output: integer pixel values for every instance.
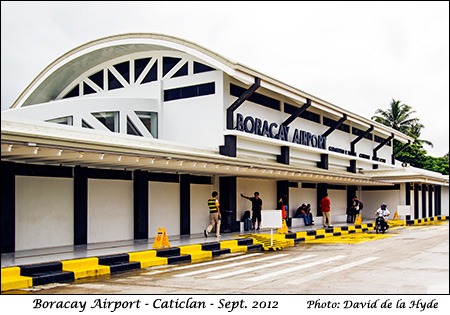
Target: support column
(229, 148)
(80, 207)
(140, 203)
(8, 210)
(282, 189)
(424, 200)
(228, 201)
(351, 192)
(283, 158)
(322, 190)
(352, 167)
(185, 204)
(416, 201)
(323, 161)
(437, 200)
(430, 201)
(408, 197)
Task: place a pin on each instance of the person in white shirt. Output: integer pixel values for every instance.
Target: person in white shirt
(384, 212)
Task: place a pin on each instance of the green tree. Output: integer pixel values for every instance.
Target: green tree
(399, 117)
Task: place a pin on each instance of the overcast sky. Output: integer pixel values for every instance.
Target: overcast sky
(356, 55)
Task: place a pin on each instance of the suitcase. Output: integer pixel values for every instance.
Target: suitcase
(350, 218)
(247, 224)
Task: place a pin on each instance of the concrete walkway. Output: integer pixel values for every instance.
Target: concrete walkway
(46, 255)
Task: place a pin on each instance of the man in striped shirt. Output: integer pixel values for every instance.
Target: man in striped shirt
(214, 213)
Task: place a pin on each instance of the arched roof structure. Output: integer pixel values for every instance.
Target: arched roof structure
(57, 76)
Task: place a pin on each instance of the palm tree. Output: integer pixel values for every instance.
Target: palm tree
(396, 117)
(399, 117)
(415, 131)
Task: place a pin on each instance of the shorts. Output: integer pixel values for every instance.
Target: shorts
(256, 215)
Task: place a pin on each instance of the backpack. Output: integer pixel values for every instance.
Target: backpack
(246, 215)
(361, 205)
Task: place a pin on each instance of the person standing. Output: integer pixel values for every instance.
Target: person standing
(214, 214)
(325, 207)
(256, 209)
(353, 210)
(284, 206)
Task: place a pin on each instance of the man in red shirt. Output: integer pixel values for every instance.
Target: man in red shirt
(325, 208)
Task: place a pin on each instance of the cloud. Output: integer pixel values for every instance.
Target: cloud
(357, 55)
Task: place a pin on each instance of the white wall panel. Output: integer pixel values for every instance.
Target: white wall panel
(110, 210)
(444, 200)
(267, 192)
(372, 200)
(44, 212)
(338, 199)
(199, 207)
(164, 208)
(298, 196)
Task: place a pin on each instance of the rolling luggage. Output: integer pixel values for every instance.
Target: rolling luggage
(350, 218)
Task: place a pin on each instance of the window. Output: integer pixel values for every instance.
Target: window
(97, 78)
(199, 67)
(109, 119)
(150, 121)
(330, 122)
(113, 83)
(290, 109)
(74, 92)
(255, 97)
(85, 124)
(152, 75)
(139, 66)
(169, 63)
(124, 70)
(182, 71)
(189, 91)
(67, 120)
(87, 89)
(358, 132)
(380, 139)
(131, 129)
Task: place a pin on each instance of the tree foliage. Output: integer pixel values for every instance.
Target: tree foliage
(417, 156)
(399, 117)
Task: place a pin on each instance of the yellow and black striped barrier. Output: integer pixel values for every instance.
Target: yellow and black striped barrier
(20, 277)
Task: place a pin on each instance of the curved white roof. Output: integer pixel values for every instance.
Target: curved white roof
(64, 70)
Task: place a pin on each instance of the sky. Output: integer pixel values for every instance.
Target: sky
(356, 55)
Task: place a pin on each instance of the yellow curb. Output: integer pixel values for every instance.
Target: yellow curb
(196, 252)
(233, 246)
(12, 280)
(85, 267)
(147, 258)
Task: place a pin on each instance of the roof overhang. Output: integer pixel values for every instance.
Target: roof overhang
(59, 145)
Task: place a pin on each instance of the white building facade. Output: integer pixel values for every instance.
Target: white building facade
(133, 132)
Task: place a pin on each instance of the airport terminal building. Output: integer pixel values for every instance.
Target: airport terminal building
(133, 132)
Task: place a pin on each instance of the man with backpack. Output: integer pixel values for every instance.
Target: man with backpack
(355, 209)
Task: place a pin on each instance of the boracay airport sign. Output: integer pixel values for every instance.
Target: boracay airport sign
(273, 130)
